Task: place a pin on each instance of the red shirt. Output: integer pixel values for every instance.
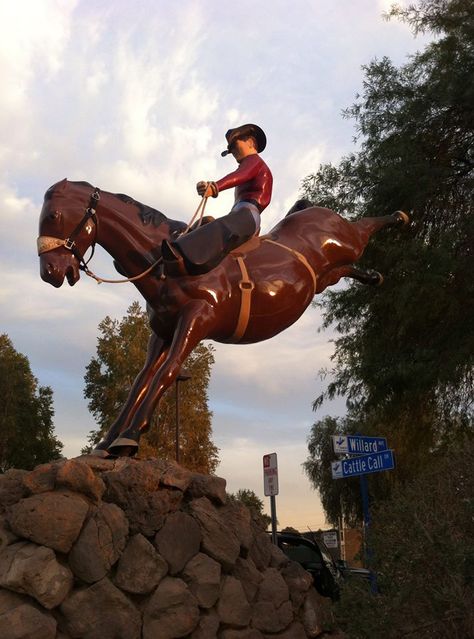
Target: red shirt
(253, 181)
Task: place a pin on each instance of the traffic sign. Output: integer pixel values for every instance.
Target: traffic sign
(363, 465)
(270, 475)
(358, 445)
(330, 539)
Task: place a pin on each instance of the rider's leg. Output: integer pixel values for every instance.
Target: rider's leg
(203, 249)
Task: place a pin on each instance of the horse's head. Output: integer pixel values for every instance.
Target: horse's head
(66, 231)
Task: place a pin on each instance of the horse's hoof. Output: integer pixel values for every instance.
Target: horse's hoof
(373, 278)
(402, 217)
(123, 447)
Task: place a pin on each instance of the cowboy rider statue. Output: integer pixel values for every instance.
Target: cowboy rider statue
(203, 249)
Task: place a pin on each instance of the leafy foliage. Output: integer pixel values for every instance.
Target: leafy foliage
(26, 414)
(423, 546)
(404, 352)
(253, 502)
(337, 497)
(121, 350)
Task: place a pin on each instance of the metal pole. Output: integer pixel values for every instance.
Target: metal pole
(342, 537)
(177, 419)
(342, 540)
(183, 376)
(364, 489)
(274, 519)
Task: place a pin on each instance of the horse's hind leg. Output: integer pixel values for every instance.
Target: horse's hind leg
(372, 278)
(365, 227)
(370, 225)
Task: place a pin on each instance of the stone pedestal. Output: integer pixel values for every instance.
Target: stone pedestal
(130, 548)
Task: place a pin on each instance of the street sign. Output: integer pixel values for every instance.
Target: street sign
(330, 538)
(270, 475)
(357, 445)
(363, 465)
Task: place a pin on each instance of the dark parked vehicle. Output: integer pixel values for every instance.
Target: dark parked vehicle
(348, 572)
(314, 558)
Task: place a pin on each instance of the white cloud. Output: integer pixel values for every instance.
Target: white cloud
(96, 80)
(270, 367)
(33, 37)
(43, 302)
(33, 34)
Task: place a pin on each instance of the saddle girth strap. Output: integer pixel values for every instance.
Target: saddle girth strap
(246, 287)
(301, 258)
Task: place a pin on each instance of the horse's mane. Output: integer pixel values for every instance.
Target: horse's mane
(148, 214)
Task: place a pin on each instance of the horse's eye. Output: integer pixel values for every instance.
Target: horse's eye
(54, 215)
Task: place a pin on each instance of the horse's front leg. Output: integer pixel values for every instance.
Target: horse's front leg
(156, 353)
(194, 324)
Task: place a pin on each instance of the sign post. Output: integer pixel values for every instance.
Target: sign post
(270, 487)
(364, 455)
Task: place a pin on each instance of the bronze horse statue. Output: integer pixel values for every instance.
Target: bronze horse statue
(256, 292)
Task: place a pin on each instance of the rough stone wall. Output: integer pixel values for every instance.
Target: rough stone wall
(131, 549)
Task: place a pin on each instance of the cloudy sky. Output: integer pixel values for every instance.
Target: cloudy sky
(135, 97)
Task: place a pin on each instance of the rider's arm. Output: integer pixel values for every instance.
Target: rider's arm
(247, 170)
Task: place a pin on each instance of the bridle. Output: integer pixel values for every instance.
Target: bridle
(47, 243)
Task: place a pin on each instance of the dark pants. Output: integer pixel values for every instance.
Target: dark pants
(203, 249)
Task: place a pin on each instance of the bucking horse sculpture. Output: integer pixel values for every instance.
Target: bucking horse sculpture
(257, 291)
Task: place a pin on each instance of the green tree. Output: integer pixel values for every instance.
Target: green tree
(26, 414)
(423, 549)
(338, 498)
(404, 352)
(253, 502)
(121, 350)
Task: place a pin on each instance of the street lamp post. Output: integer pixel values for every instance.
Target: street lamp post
(184, 376)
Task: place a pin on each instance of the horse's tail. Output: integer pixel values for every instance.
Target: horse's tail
(300, 205)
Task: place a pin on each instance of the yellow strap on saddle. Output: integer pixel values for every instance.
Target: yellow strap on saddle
(246, 286)
(301, 258)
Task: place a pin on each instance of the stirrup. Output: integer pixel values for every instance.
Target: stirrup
(173, 261)
(202, 222)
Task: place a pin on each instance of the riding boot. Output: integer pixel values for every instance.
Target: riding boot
(202, 250)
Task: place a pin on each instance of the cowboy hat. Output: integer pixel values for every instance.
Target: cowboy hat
(243, 131)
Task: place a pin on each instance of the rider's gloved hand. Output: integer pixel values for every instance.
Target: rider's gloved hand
(207, 189)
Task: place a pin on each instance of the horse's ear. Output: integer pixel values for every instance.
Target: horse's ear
(59, 186)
